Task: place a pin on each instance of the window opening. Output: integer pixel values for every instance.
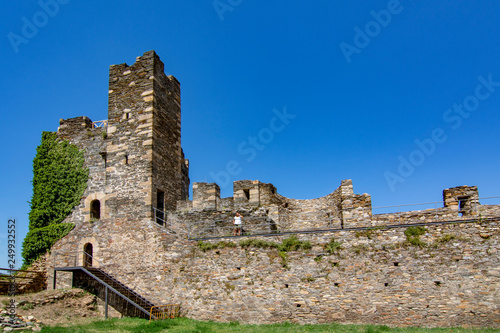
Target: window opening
(247, 194)
(87, 255)
(160, 206)
(95, 210)
(462, 205)
(105, 159)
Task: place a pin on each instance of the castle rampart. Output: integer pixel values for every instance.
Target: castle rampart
(361, 267)
(376, 276)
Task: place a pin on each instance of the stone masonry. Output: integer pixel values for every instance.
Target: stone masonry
(136, 220)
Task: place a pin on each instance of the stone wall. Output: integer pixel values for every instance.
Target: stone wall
(92, 142)
(206, 196)
(135, 162)
(450, 277)
(463, 199)
(375, 277)
(261, 204)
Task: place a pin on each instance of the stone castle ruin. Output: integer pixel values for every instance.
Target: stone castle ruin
(137, 234)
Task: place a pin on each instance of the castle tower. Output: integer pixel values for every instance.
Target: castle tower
(145, 163)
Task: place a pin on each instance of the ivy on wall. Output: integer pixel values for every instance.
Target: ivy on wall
(59, 181)
(40, 240)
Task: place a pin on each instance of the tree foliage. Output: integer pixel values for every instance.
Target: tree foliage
(59, 181)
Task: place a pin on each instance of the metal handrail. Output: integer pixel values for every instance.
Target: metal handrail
(433, 203)
(100, 123)
(172, 311)
(135, 287)
(357, 215)
(157, 213)
(116, 291)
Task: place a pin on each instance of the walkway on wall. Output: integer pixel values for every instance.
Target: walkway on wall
(356, 218)
(317, 231)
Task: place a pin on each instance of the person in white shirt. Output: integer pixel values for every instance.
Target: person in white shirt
(237, 224)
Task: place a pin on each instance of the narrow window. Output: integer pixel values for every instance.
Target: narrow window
(126, 159)
(247, 194)
(463, 205)
(160, 206)
(95, 210)
(104, 158)
(87, 255)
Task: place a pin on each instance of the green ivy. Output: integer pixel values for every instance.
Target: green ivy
(59, 181)
(40, 240)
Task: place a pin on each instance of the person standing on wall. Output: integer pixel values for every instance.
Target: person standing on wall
(237, 224)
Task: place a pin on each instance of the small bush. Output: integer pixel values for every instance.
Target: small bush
(332, 246)
(413, 235)
(445, 238)
(212, 246)
(284, 259)
(292, 243)
(415, 231)
(416, 241)
(257, 243)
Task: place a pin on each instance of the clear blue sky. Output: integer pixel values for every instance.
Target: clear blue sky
(369, 84)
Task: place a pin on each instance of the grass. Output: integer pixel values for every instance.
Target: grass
(184, 325)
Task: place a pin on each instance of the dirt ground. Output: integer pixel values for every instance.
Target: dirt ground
(59, 307)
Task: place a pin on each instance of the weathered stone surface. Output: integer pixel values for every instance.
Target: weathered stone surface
(376, 278)
(449, 277)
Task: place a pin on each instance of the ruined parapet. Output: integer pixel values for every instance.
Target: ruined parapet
(253, 193)
(184, 205)
(355, 209)
(91, 140)
(462, 199)
(246, 193)
(74, 127)
(206, 196)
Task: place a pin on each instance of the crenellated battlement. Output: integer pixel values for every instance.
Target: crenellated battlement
(360, 265)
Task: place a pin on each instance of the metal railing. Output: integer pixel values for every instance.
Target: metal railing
(161, 217)
(168, 311)
(362, 217)
(100, 123)
(137, 291)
